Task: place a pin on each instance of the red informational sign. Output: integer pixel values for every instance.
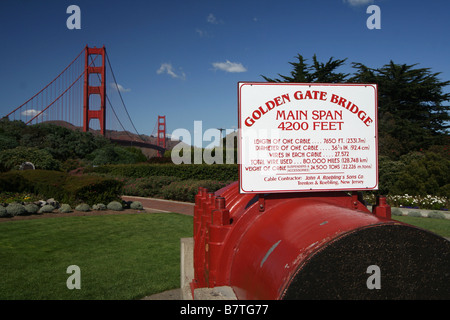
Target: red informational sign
(307, 137)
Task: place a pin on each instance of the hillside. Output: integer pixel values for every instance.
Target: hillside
(124, 136)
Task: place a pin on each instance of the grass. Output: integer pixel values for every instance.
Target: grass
(438, 226)
(120, 256)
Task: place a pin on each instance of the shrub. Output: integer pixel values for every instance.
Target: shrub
(46, 208)
(186, 190)
(13, 182)
(31, 208)
(99, 206)
(423, 202)
(136, 205)
(3, 212)
(15, 209)
(83, 207)
(436, 215)
(65, 208)
(414, 214)
(111, 154)
(115, 205)
(147, 186)
(396, 212)
(9, 197)
(62, 186)
(223, 172)
(13, 158)
(94, 189)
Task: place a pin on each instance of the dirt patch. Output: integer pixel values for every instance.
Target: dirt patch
(57, 214)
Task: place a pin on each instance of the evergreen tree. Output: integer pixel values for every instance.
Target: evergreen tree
(412, 114)
(412, 110)
(318, 72)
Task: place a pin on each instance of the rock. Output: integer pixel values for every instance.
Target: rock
(53, 203)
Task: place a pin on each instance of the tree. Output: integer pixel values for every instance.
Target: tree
(11, 159)
(412, 114)
(411, 110)
(318, 72)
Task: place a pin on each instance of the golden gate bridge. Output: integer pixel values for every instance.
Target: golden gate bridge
(80, 96)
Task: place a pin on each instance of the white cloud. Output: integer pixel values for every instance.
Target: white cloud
(119, 87)
(356, 3)
(202, 33)
(168, 68)
(213, 20)
(229, 66)
(30, 113)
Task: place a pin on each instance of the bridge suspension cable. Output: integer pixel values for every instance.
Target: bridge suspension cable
(120, 95)
(68, 100)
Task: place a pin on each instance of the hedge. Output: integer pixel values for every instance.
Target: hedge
(62, 186)
(222, 172)
(187, 189)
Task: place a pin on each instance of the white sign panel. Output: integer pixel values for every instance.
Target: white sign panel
(307, 137)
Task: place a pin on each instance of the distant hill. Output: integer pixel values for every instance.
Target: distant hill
(124, 136)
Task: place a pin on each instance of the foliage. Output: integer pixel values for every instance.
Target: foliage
(396, 212)
(225, 172)
(31, 208)
(46, 209)
(416, 174)
(61, 146)
(114, 154)
(317, 72)
(436, 215)
(147, 186)
(7, 142)
(190, 155)
(136, 205)
(187, 189)
(15, 209)
(65, 208)
(8, 197)
(12, 158)
(92, 190)
(426, 202)
(3, 212)
(414, 214)
(83, 207)
(61, 186)
(412, 110)
(99, 207)
(115, 205)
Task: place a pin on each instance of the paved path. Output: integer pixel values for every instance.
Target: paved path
(160, 205)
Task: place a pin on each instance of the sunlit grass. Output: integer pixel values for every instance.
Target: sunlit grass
(438, 226)
(120, 256)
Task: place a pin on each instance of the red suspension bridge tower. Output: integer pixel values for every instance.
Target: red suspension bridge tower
(161, 140)
(67, 98)
(99, 114)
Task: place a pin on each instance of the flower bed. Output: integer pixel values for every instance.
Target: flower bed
(414, 202)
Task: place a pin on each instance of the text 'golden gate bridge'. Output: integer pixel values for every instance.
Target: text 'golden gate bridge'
(79, 97)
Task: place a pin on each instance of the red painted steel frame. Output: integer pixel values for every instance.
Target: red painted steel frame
(88, 90)
(161, 139)
(256, 243)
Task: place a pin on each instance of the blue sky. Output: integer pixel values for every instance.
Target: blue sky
(184, 58)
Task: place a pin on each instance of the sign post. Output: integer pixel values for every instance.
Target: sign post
(307, 137)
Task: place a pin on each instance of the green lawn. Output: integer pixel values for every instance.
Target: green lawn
(122, 257)
(438, 226)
